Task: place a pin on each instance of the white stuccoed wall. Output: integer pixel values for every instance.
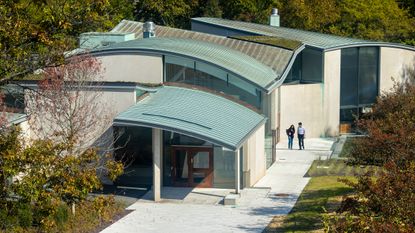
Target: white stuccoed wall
(254, 156)
(138, 68)
(331, 94)
(393, 62)
(302, 103)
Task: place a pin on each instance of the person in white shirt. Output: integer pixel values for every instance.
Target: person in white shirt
(301, 135)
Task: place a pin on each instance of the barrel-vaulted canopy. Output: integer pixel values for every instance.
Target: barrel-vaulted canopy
(237, 63)
(194, 113)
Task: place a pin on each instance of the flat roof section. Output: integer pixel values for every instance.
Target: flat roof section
(194, 113)
(313, 39)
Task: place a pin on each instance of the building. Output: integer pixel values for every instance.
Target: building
(205, 108)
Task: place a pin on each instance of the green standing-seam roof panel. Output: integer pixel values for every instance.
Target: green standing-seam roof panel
(276, 58)
(314, 39)
(194, 113)
(229, 59)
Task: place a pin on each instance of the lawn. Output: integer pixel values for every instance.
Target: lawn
(323, 192)
(334, 167)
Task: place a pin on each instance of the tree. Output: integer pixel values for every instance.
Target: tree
(313, 15)
(68, 104)
(257, 11)
(35, 34)
(173, 13)
(374, 20)
(389, 127)
(38, 179)
(385, 204)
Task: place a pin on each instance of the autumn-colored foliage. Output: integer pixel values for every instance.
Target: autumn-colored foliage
(382, 204)
(385, 202)
(40, 179)
(390, 129)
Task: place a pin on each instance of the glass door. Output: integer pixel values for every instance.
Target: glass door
(192, 166)
(201, 168)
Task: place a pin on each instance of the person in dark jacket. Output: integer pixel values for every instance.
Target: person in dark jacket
(290, 133)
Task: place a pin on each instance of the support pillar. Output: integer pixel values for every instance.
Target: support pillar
(237, 172)
(157, 152)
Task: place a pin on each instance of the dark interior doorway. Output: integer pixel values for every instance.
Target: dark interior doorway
(134, 148)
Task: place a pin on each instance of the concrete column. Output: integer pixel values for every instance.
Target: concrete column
(157, 153)
(237, 172)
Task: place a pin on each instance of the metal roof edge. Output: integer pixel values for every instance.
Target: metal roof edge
(274, 84)
(261, 123)
(121, 122)
(99, 85)
(379, 44)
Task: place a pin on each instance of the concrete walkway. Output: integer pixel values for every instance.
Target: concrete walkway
(275, 194)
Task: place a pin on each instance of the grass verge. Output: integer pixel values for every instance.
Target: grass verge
(323, 192)
(334, 167)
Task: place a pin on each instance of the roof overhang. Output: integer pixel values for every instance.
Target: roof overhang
(194, 113)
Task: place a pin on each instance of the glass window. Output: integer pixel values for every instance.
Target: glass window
(359, 81)
(349, 77)
(13, 98)
(307, 67)
(208, 76)
(312, 66)
(368, 75)
(223, 168)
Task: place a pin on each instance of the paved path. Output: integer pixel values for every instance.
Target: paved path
(275, 194)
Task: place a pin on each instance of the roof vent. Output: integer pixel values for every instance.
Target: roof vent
(149, 30)
(274, 19)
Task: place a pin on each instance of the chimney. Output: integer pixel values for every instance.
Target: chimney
(274, 19)
(149, 30)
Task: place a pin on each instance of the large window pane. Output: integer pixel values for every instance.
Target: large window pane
(205, 75)
(349, 77)
(223, 168)
(312, 65)
(368, 72)
(294, 76)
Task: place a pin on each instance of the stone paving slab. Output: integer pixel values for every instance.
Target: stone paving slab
(275, 194)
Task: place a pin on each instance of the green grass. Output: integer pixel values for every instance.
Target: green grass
(320, 193)
(334, 167)
(323, 192)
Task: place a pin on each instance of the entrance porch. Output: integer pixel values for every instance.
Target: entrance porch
(196, 138)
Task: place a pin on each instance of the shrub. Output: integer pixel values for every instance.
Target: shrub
(384, 204)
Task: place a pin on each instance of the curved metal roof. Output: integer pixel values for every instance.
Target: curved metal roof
(313, 39)
(194, 113)
(226, 58)
(276, 58)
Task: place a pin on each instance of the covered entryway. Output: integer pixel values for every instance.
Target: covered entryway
(196, 137)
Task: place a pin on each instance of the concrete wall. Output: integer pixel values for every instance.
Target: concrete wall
(254, 158)
(107, 102)
(393, 63)
(302, 103)
(331, 93)
(132, 68)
